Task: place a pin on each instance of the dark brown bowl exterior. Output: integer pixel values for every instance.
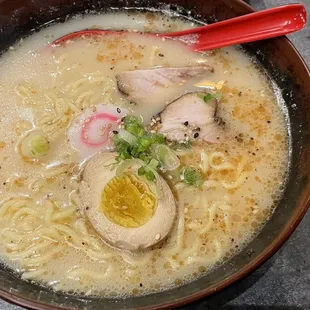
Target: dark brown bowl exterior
(283, 64)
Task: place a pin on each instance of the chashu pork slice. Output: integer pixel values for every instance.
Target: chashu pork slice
(151, 89)
(190, 117)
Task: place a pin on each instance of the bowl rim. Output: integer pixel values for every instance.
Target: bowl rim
(268, 252)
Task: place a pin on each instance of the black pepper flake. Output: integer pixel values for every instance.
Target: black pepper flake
(186, 123)
(196, 135)
(268, 122)
(232, 239)
(239, 138)
(161, 55)
(83, 243)
(252, 138)
(118, 110)
(240, 93)
(64, 187)
(115, 132)
(4, 183)
(198, 128)
(141, 284)
(87, 208)
(253, 154)
(123, 118)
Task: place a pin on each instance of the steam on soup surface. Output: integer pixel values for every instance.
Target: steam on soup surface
(129, 164)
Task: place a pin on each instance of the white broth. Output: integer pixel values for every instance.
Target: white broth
(44, 232)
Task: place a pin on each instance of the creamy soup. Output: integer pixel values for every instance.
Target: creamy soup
(130, 164)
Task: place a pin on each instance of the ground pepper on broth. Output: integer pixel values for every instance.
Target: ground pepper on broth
(44, 235)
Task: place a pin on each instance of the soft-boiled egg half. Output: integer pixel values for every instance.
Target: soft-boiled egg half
(128, 211)
(92, 131)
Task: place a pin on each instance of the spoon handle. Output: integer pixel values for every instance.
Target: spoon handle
(247, 28)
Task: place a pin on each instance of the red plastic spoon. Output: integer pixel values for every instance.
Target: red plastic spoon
(251, 27)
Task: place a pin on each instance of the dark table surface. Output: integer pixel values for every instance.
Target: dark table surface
(283, 282)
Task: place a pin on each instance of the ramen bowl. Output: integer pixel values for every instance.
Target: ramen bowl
(282, 63)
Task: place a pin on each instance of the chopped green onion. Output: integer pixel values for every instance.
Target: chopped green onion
(206, 98)
(134, 141)
(126, 164)
(141, 171)
(178, 146)
(35, 145)
(39, 145)
(148, 170)
(167, 158)
(192, 177)
(146, 158)
(134, 125)
(122, 147)
(127, 136)
(147, 140)
(150, 176)
(217, 96)
(153, 164)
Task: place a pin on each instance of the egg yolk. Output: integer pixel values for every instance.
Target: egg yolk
(127, 201)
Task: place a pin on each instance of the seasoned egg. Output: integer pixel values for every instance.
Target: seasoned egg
(128, 211)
